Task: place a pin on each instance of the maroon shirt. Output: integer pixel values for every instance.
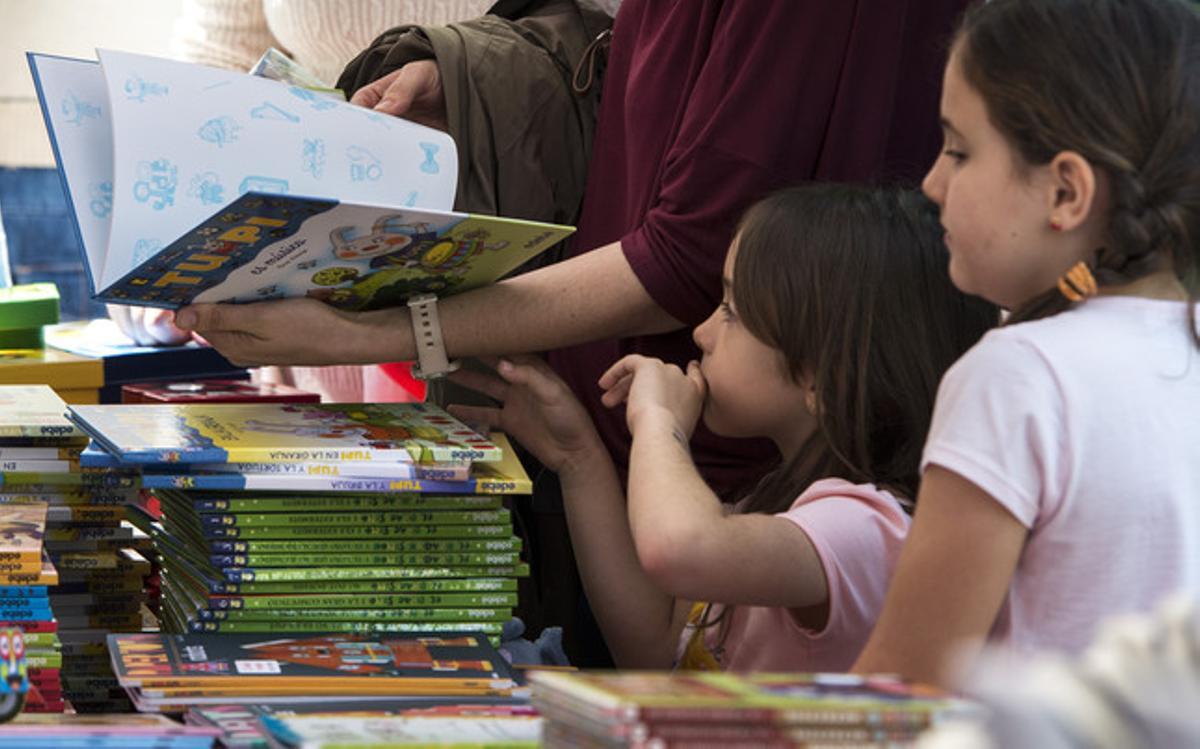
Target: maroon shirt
(710, 105)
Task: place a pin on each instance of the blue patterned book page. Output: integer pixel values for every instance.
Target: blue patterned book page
(264, 246)
(189, 140)
(74, 102)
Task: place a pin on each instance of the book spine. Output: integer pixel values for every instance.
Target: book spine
(358, 615)
(221, 587)
(291, 627)
(379, 531)
(288, 519)
(363, 601)
(383, 502)
(246, 575)
(436, 546)
(24, 591)
(361, 560)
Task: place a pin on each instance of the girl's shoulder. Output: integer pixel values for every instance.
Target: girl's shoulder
(1067, 349)
(834, 488)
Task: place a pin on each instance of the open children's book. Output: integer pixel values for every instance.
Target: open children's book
(194, 184)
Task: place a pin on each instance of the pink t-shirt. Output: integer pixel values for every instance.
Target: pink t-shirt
(1086, 427)
(857, 531)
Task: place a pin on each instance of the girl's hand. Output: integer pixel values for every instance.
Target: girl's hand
(538, 410)
(651, 388)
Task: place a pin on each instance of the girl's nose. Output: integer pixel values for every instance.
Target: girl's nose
(702, 332)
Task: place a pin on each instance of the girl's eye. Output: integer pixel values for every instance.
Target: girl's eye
(727, 311)
(957, 156)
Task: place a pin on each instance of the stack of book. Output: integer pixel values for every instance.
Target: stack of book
(620, 709)
(104, 732)
(314, 519)
(173, 673)
(76, 379)
(242, 726)
(215, 391)
(119, 361)
(25, 574)
(97, 556)
(507, 726)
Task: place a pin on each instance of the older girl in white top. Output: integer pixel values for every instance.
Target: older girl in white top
(1062, 471)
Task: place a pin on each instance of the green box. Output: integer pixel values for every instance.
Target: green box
(28, 306)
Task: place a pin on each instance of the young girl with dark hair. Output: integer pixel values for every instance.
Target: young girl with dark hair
(838, 320)
(1061, 477)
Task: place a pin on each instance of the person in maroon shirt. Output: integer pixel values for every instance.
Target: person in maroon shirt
(708, 106)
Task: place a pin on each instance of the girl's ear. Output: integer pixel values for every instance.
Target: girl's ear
(1073, 181)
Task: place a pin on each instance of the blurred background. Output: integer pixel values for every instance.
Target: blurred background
(42, 246)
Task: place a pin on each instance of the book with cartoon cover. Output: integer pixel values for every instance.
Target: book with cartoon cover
(392, 664)
(506, 477)
(480, 726)
(282, 432)
(188, 183)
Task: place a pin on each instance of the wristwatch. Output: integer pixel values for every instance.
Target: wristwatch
(432, 361)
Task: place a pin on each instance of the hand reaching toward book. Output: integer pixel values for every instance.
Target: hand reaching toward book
(652, 389)
(148, 326)
(413, 92)
(538, 410)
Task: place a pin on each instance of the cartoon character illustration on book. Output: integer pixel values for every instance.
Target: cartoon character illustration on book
(353, 424)
(14, 675)
(390, 236)
(442, 258)
(351, 654)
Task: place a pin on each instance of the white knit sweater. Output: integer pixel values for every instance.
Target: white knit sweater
(321, 35)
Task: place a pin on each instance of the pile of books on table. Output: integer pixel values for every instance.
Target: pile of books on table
(458, 721)
(703, 709)
(25, 574)
(90, 576)
(172, 673)
(507, 726)
(97, 556)
(321, 518)
(104, 732)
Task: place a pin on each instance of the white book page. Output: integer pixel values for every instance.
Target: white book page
(74, 102)
(188, 139)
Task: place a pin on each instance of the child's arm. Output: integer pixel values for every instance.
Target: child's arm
(950, 582)
(641, 624)
(686, 541)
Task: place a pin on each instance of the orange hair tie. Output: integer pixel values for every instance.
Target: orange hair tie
(1078, 283)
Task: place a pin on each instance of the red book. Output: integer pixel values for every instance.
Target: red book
(215, 391)
(32, 626)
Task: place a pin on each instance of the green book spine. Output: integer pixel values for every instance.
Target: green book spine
(368, 586)
(378, 531)
(487, 628)
(342, 519)
(363, 615)
(363, 560)
(363, 601)
(335, 503)
(366, 546)
(43, 661)
(238, 575)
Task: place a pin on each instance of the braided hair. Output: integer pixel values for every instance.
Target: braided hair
(1118, 82)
